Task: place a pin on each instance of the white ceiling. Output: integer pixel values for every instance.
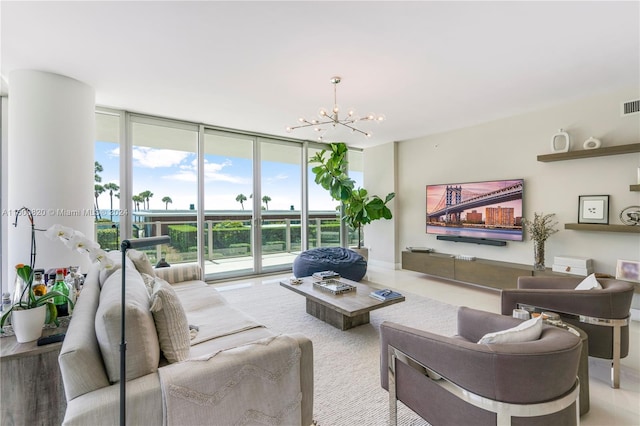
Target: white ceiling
(258, 66)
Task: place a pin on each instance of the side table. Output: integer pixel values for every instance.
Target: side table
(583, 369)
(31, 386)
(583, 365)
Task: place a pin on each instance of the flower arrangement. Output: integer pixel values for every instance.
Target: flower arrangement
(542, 226)
(540, 229)
(73, 239)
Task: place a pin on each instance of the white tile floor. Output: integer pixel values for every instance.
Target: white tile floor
(608, 406)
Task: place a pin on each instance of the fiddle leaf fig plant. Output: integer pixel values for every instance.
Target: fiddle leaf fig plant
(360, 208)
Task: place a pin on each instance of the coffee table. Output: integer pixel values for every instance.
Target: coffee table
(343, 311)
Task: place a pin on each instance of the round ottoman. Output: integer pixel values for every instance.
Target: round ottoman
(345, 262)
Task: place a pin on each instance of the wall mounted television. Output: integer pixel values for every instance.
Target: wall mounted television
(486, 210)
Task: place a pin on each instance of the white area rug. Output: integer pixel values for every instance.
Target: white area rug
(347, 387)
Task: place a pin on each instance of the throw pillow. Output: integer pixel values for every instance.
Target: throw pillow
(527, 331)
(589, 283)
(116, 257)
(143, 349)
(180, 273)
(171, 322)
(142, 262)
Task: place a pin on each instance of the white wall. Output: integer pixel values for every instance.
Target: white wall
(380, 236)
(508, 148)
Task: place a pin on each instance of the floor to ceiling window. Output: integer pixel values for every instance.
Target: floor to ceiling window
(247, 204)
(164, 164)
(107, 180)
(281, 203)
(228, 204)
(324, 212)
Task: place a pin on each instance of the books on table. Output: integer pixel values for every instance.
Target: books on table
(326, 275)
(385, 294)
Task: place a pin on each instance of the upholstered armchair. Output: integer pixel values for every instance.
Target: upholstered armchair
(456, 381)
(602, 313)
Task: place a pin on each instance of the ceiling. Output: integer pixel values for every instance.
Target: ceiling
(259, 66)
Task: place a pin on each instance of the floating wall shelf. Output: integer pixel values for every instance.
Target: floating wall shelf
(588, 153)
(634, 187)
(602, 228)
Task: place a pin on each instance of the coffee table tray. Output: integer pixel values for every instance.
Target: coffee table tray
(334, 286)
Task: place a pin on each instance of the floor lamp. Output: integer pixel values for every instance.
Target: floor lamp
(124, 246)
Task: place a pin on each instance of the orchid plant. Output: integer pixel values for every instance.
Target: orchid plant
(74, 240)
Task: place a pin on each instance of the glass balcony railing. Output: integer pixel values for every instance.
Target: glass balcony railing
(224, 239)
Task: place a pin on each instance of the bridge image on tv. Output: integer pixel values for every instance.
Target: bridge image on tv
(479, 209)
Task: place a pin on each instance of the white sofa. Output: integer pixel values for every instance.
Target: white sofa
(235, 370)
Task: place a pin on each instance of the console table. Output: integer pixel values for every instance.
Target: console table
(31, 385)
(483, 272)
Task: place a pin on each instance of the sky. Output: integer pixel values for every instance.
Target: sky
(173, 173)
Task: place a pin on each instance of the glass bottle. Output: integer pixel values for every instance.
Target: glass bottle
(38, 286)
(6, 305)
(18, 289)
(61, 287)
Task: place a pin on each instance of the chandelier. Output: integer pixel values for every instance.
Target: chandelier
(331, 119)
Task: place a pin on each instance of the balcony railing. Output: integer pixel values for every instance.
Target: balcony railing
(225, 239)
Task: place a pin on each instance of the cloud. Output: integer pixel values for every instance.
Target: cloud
(152, 158)
(276, 178)
(115, 152)
(212, 173)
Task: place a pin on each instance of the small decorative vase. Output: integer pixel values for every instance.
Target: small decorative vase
(27, 323)
(538, 254)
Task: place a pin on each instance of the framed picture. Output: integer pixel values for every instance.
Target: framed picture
(593, 209)
(628, 270)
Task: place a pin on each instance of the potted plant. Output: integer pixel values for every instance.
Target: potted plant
(29, 311)
(540, 229)
(360, 208)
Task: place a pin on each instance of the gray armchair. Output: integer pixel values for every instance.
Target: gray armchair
(455, 381)
(602, 314)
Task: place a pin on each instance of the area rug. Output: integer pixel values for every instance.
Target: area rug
(346, 363)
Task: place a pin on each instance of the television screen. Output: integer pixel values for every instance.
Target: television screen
(489, 209)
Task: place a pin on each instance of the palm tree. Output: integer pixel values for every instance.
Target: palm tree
(166, 201)
(137, 199)
(146, 195)
(97, 168)
(97, 190)
(111, 187)
(241, 198)
(266, 200)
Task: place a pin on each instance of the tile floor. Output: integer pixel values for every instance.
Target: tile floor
(608, 406)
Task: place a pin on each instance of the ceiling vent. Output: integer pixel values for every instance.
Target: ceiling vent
(630, 107)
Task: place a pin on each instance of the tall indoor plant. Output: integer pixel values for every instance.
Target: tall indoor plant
(360, 208)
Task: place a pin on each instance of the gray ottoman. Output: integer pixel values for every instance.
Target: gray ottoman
(345, 262)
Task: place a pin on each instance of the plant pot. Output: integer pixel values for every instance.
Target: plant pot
(364, 252)
(27, 323)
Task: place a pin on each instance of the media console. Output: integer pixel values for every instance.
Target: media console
(483, 272)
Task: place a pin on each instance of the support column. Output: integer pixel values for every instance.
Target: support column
(50, 164)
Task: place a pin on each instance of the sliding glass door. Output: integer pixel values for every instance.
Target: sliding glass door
(228, 204)
(281, 203)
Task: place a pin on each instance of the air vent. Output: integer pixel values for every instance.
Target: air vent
(630, 107)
